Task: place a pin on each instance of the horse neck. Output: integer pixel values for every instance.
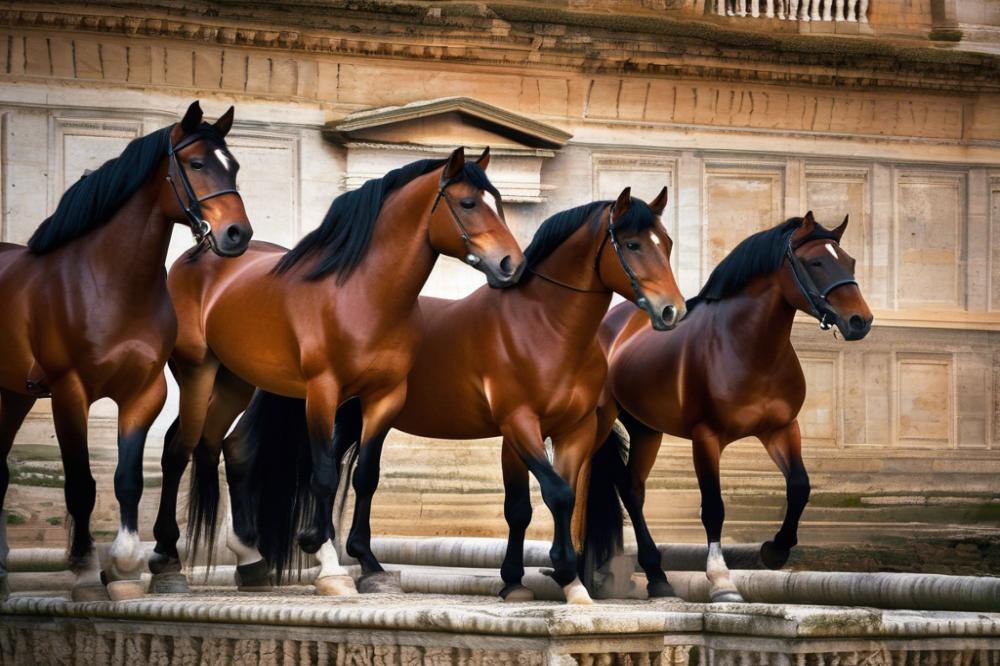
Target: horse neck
(762, 319)
(130, 250)
(400, 257)
(571, 314)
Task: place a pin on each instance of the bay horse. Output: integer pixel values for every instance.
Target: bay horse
(334, 321)
(87, 316)
(728, 371)
(524, 363)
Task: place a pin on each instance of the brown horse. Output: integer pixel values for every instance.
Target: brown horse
(87, 316)
(525, 364)
(728, 371)
(335, 320)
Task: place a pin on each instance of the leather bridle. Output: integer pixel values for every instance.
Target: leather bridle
(816, 292)
(470, 256)
(200, 229)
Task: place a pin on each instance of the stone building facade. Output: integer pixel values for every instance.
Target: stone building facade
(891, 115)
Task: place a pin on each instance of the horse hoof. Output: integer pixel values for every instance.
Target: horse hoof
(577, 594)
(659, 589)
(774, 556)
(89, 592)
(124, 590)
(169, 583)
(515, 593)
(254, 577)
(335, 586)
(727, 596)
(163, 564)
(380, 582)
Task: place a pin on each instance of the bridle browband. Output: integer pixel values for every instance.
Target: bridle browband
(612, 234)
(816, 294)
(470, 257)
(200, 229)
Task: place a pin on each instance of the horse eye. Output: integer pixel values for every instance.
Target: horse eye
(632, 245)
(197, 165)
(468, 204)
(815, 264)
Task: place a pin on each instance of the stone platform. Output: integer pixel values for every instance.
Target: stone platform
(214, 626)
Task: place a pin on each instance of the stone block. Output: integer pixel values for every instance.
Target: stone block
(88, 59)
(233, 64)
(284, 77)
(258, 78)
(208, 68)
(308, 79)
(61, 56)
(36, 56)
(139, 64)
(114, 61)
(179, 66)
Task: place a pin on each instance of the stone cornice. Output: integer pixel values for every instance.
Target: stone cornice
(508, 35)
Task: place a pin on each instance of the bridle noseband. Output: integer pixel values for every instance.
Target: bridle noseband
(816, 294)
(470, 257)
(200, 229)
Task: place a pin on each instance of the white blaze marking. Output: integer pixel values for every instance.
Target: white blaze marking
(222, 158)
(829, 248)
(656, 241)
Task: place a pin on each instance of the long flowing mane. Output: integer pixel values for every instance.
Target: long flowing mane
(344, 236)
(759, 254)
(554, 231)
(93, 200)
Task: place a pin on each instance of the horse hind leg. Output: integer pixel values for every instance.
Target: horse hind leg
(14, 407)
(785, 448)
(517, 513)
(707, 450)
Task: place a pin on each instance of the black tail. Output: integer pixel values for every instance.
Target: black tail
(203, 502)
(276, 440)
(605, 519)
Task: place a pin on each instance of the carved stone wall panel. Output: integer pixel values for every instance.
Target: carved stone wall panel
(994, 235)
(819, 418)
(269, 184)
(646, 175)
(85, 143)
(740, 200)
(925, 400)
(930, 226)
(833, 192)
(973, 400)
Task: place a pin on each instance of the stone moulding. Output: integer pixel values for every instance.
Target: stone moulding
(519, 35)
(295, 627)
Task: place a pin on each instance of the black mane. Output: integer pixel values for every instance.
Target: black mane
(92, 201)
(759, 254)
(556, 229)
(345, 234)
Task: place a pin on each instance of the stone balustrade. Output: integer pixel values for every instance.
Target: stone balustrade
(797, 10)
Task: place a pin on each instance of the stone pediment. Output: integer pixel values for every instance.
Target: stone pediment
(381, 139)
(447, 119)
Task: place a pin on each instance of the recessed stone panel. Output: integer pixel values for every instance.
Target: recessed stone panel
(87, 143)
(741, 200)
(819, 416)
(832, 193)
(646, 177)
(924, 410)
(929, 224)
(994, 222)
(268, 181)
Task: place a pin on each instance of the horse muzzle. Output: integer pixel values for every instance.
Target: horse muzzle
(854, 327)
(663, 317)
(233, 240)
(499, 274)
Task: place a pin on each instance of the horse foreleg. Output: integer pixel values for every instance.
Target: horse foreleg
(644, 444)
(377, 413)
(195, 384)
(517, 513)
(135, 416)
(707, 449)
(785, 448)
(70, 409)
(14, 407)
(522, 430)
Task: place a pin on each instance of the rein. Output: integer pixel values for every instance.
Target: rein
(200, 229)
(816, 295)
(641, 300)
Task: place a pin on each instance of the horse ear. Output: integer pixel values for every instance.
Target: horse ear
(659, 204)
(456, 162)
(225, 122)
(484, 159)
(839, 231)
(192, 118)
(623, 202)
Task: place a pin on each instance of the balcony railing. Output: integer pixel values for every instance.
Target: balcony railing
(796, 10)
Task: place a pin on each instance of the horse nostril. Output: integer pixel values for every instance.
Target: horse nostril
(670, 314)
(857, 323)
(233, 233)
(507, 266)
